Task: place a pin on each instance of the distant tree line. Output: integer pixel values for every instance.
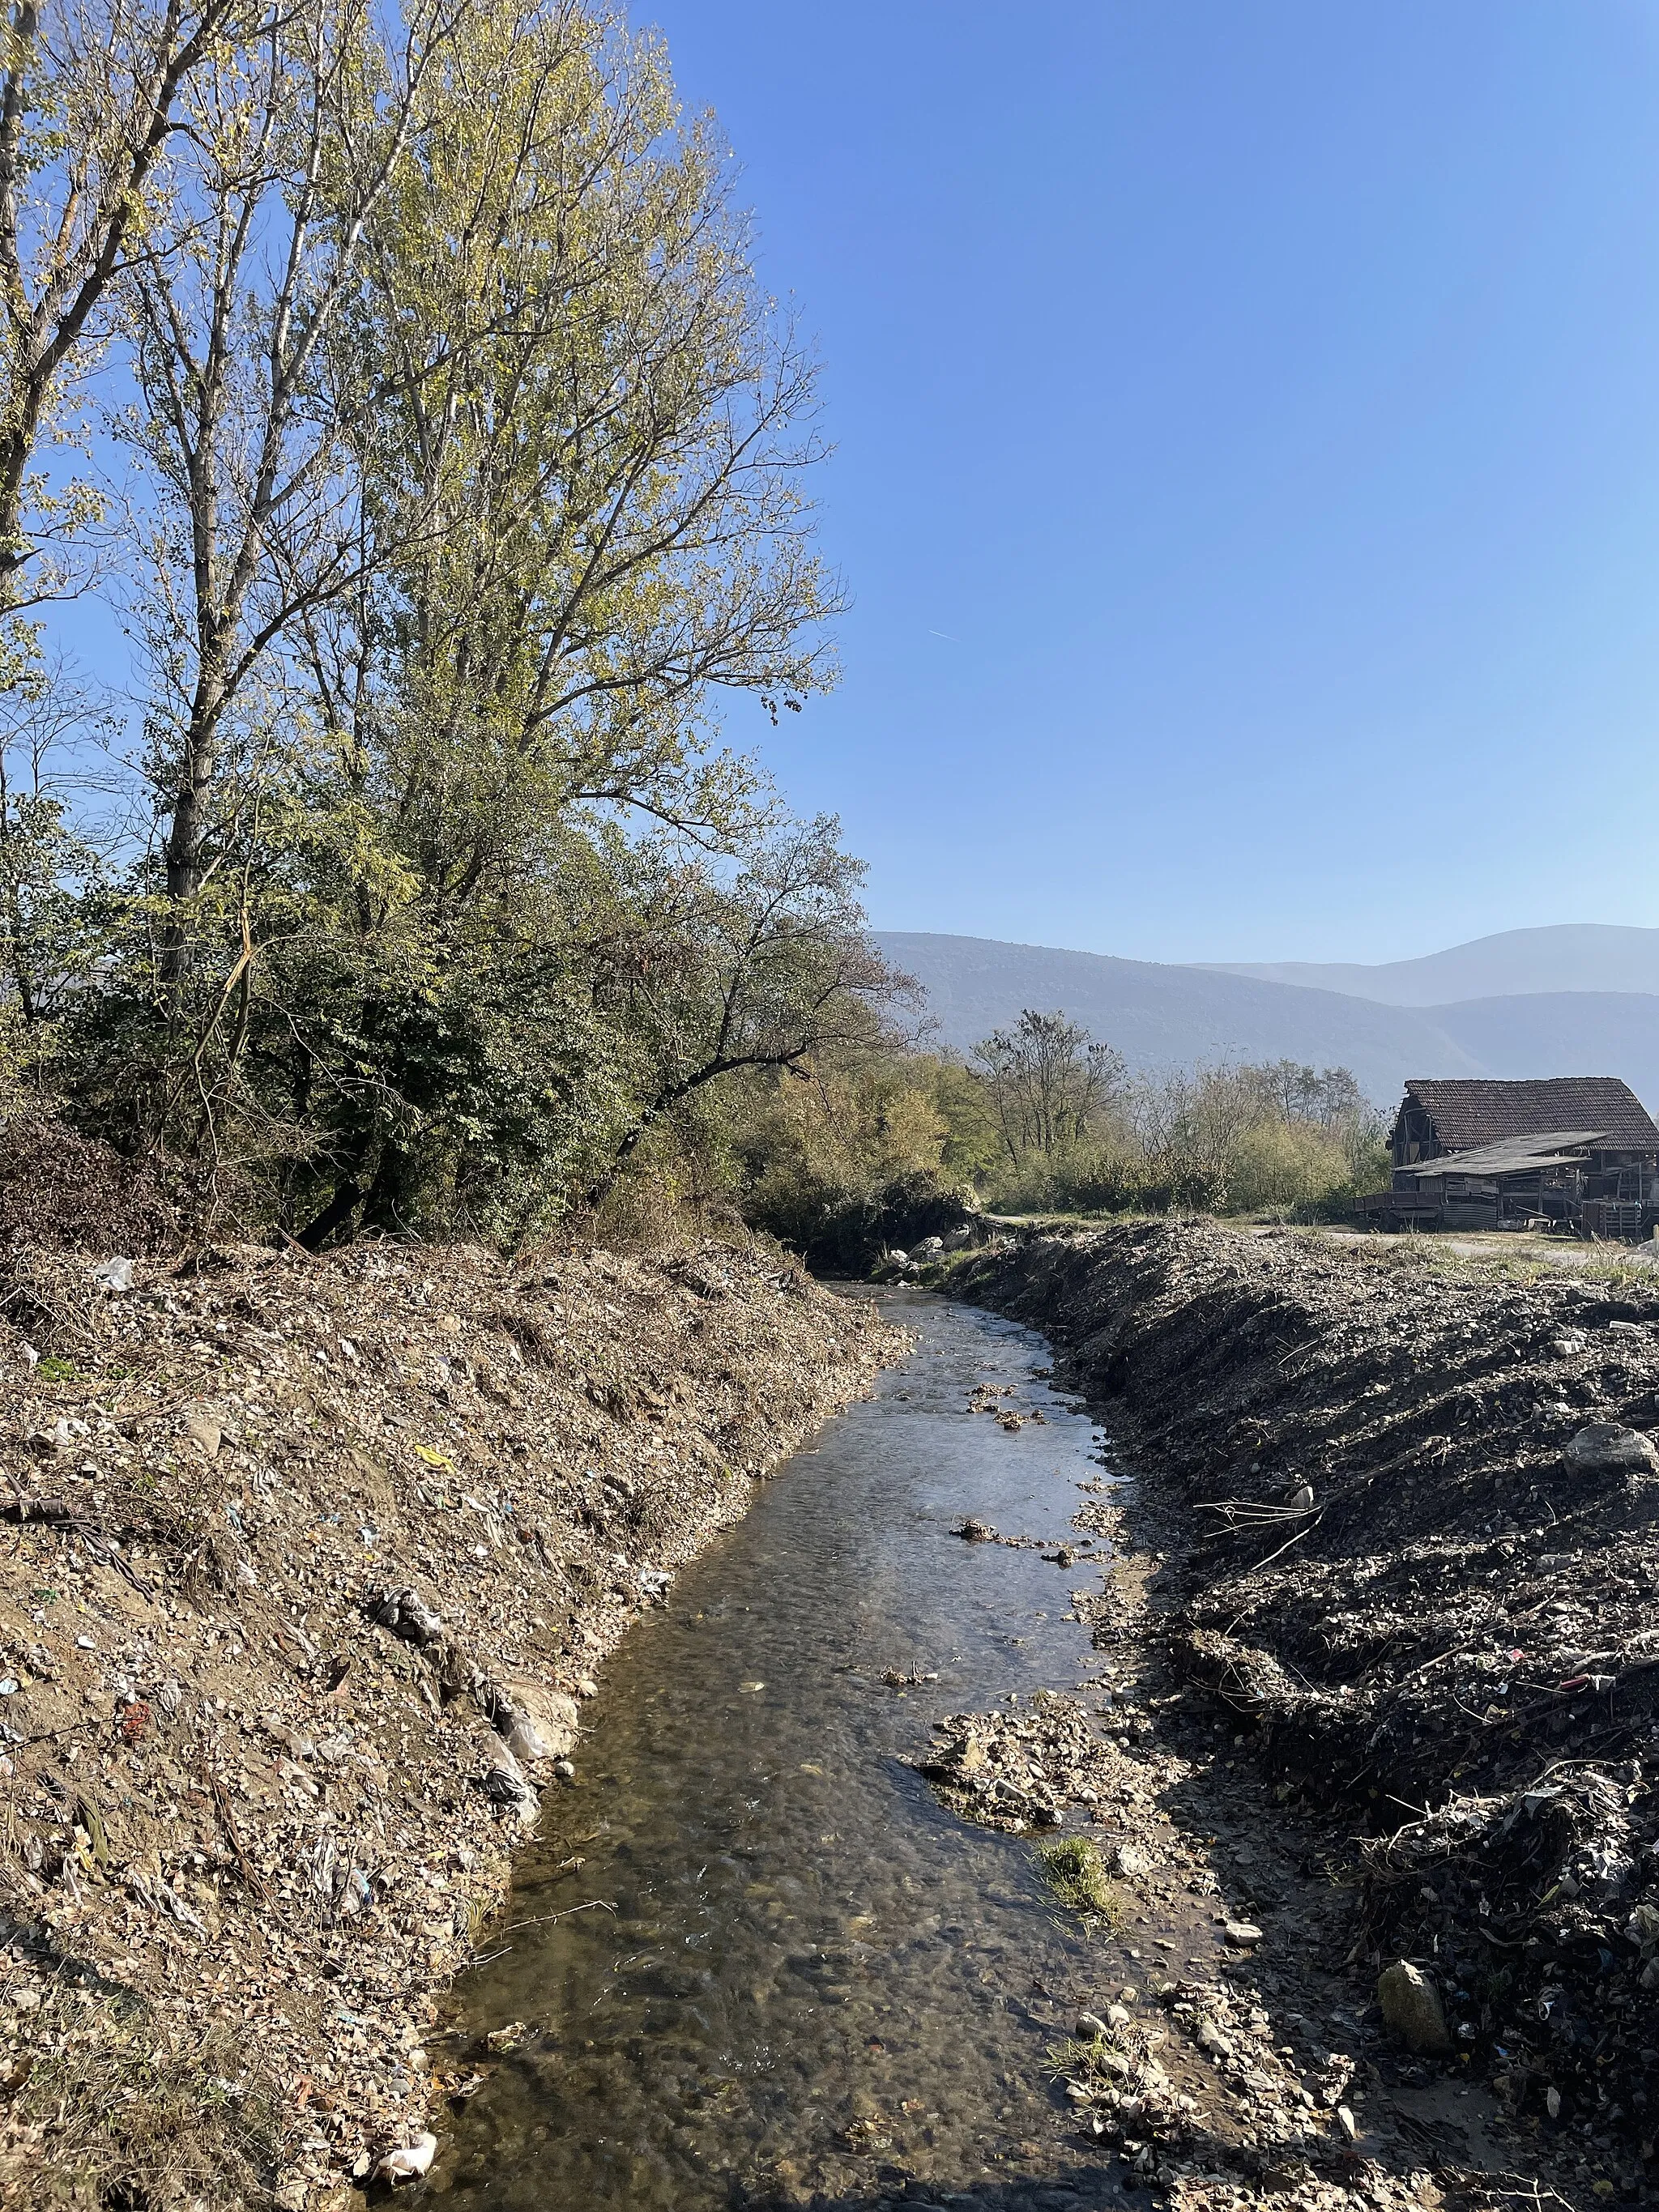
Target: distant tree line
(1041, 1117)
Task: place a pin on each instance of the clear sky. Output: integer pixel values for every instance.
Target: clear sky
(1248, 469)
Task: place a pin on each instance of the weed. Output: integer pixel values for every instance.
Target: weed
(53, 1369)
(116, 2114)
(1076, 1875)
(1077, 2058)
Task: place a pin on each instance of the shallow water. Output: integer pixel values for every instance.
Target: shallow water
(796, 1978)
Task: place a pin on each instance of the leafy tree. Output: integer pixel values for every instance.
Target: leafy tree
(51, 875)
(293, 144)
(766, 968)
(91, 95)
(1048, 1082)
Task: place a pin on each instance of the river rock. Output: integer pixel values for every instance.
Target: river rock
(204, 1432)
(1412, 2009)
(540, 1722)
(1604, 1444)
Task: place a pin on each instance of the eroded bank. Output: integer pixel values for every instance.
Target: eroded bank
(1401, 1520)
(304, 1566)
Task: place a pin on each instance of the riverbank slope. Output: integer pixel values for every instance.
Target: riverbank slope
(1407, 1516)
(304, 1568)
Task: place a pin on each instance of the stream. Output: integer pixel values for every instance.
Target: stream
(749, 1959)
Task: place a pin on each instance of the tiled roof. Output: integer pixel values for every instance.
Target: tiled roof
(1469, 1111)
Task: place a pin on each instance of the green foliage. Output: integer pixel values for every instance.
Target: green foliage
(1076, 1872)
(1282, 1139)
(1048, 1084)
(477, 462)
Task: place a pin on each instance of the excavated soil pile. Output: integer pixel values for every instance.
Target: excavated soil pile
(307, 1566)
(1413, 1525)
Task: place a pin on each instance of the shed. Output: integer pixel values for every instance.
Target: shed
(1579, 1153)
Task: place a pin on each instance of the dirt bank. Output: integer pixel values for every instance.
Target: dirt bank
(308, 1566)
(1407, 1554)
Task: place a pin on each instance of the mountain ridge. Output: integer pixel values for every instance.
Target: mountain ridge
(1165, 1016)
(1561, 957)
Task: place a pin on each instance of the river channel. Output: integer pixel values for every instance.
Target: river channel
(794, 1979)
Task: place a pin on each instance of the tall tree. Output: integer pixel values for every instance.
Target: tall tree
(90, 104)
(295, 141)
(584, 468)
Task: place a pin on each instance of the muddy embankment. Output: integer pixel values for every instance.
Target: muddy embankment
(304, 1570)
(1408, 1521)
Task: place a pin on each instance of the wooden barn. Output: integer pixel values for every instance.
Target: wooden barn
(1573, 1153)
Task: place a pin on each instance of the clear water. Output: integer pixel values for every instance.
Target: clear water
(798, 1980)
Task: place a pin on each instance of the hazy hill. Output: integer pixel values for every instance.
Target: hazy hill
(1580, 955)
(1162, 1016)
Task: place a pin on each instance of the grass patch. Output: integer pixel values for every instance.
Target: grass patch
(111, 2112)
(1074, 1870)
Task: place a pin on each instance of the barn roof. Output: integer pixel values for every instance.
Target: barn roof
(1466, 1111)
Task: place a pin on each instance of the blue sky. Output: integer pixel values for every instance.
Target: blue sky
(1262, 399)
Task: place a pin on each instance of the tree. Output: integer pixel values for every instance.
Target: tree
(478, 461)
(584, 463)
(49, 868)
(90, 95)
(769, 968)
(1048, 1081)
(293, 144)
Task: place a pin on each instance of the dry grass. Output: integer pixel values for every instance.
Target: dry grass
(109, 2113)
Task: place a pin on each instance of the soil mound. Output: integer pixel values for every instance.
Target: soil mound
(1418, 1563)
(309, 1565)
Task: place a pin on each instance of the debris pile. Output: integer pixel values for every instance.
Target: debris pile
(1413, 1559)
(309, 1566)
(1021, 1768)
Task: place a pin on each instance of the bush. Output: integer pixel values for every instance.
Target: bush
(842, 1230)
(1286, 1165)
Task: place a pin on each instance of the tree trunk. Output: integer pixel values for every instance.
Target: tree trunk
(335, 1215)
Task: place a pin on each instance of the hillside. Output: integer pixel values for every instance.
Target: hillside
(1162, 1016)
(1571, 957)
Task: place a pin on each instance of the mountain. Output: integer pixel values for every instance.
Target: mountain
(1580, 955)
(1561, 1033)
(1161, 1017)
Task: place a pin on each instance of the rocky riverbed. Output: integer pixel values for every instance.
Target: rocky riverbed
(1395, 1569)
(305, 1568)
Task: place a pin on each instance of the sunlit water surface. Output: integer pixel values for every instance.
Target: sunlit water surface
(798, 1979)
